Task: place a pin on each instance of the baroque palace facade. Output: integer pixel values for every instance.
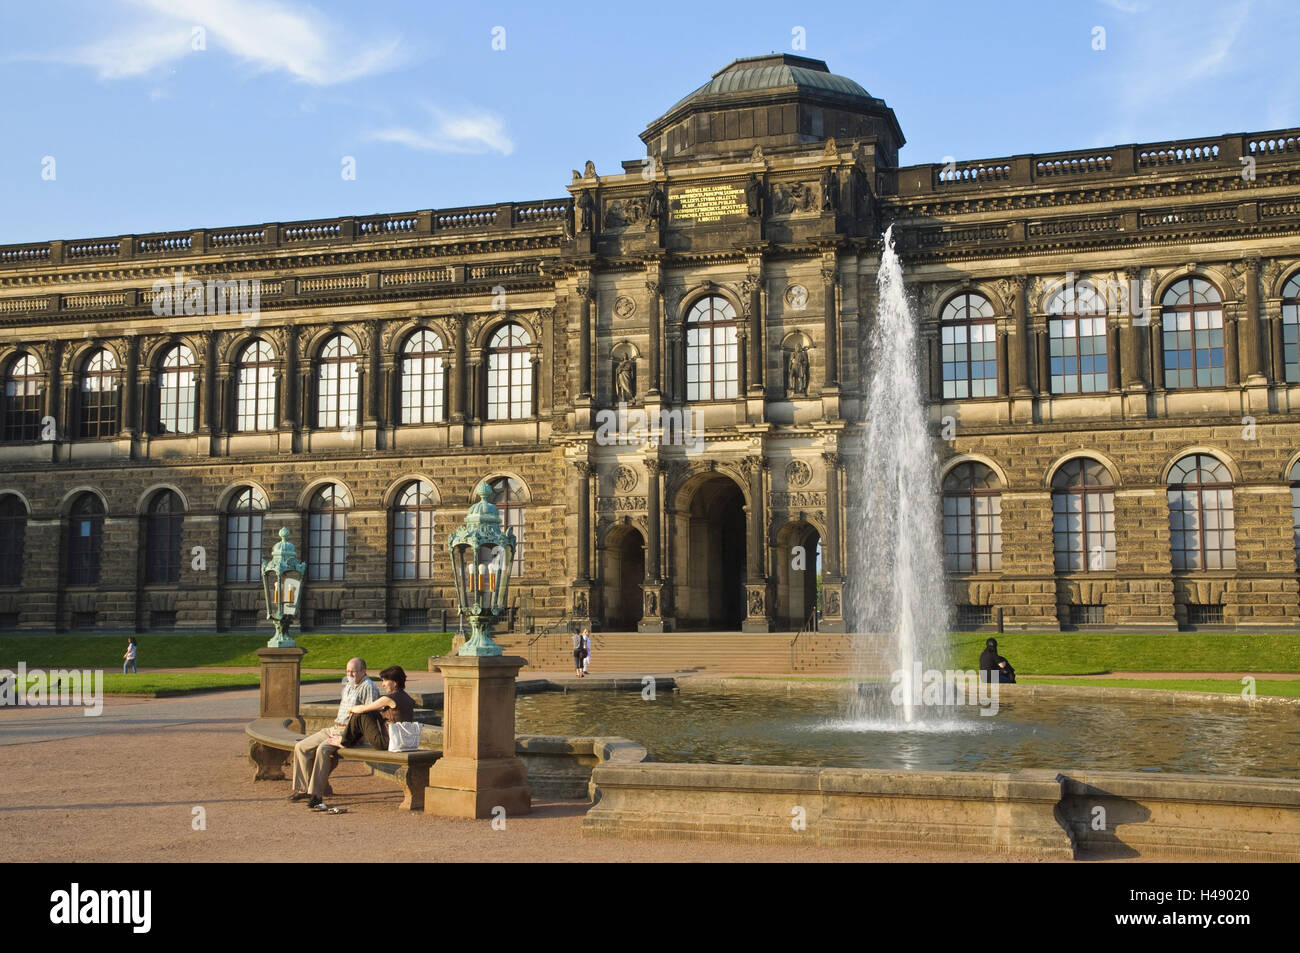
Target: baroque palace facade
(662, 374)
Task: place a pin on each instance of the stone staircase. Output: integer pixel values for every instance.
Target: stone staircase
(732, 653)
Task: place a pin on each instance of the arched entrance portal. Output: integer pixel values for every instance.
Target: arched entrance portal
(798, 563)
(710, 560)
(623, 571)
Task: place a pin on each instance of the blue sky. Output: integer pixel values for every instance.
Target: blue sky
(148, 133)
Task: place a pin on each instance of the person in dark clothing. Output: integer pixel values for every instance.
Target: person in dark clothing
(993, 665)
(368, 724)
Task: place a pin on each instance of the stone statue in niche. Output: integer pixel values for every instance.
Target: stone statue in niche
(755, 602)
(657, 204)
(651, 604)
(797, 371)
(625, 379)
(830, 191)
(587, 210)
(580, 605)
(754, 196)
(833, 604)
(782, 203)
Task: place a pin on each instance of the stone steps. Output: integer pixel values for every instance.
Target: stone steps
(714, 652)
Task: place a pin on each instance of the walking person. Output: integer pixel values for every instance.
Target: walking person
(579, 652)
(128, 657)
(586, 649)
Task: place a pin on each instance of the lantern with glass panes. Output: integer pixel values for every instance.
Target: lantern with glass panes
(282, 583)
(482, 554)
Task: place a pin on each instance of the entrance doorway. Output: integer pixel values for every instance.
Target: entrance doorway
(624, 570)
(710, 563)
(798, 565)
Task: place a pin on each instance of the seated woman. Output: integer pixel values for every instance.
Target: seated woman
(368, 724)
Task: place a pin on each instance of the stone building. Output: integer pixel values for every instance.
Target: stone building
(663, 374)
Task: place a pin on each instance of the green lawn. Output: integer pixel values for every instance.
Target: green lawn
(411, 650)
(1288, 689)
(180, 683)
(1075, 653)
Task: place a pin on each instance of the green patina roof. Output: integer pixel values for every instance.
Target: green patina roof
(776, 71)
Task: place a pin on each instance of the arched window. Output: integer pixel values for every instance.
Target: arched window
(85, 540)
(327, 534)
(1295, 509)
(422, 379)
(1083, 517)
(23, 387)
(1076, 332)
(336, 383)
(510, 374)
(968, 335)
(1191, 317)
(1202, 532)
(165, 518)
(1291, 330)
(972, 519)
(509, 496)
(255, 396)
(712, 350)
(244, 536)
(13, 536)
(413, 532)
(99, 396)
(176, 391)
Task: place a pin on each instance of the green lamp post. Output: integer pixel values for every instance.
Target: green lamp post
(482, 555)
(282, 582)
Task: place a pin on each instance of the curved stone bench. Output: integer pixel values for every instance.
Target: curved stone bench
(271, 742)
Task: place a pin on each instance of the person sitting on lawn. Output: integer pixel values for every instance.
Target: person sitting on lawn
(993, 667)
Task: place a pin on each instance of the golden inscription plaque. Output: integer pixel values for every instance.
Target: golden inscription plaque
(708, 203)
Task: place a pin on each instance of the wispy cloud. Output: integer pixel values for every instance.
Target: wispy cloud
(267, 35)
(1126, 6)
(449, 132)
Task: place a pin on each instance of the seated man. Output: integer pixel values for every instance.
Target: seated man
(313, 757)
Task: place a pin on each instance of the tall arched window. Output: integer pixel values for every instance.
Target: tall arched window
(712, 350)
(85, 540)
(510, 497)
(1083, 517)
(13, 537)
(336, 383)
(255, 396)
(972, 519)
(327, 533)
(1191, 318)
(422, 379)
(1291, 330)
(1202, 532)
(1076, 332)
(99, 395)
(176, 391)
(244, 535)
(413, 532)
(1295, 509)
(510, 374)
(165, 522)
(968, 335)
(23, 388)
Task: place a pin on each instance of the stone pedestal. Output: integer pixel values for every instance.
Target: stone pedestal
(478, 770)
(281, 683)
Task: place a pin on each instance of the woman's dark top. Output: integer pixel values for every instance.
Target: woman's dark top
(405, 710)
(988, 663)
